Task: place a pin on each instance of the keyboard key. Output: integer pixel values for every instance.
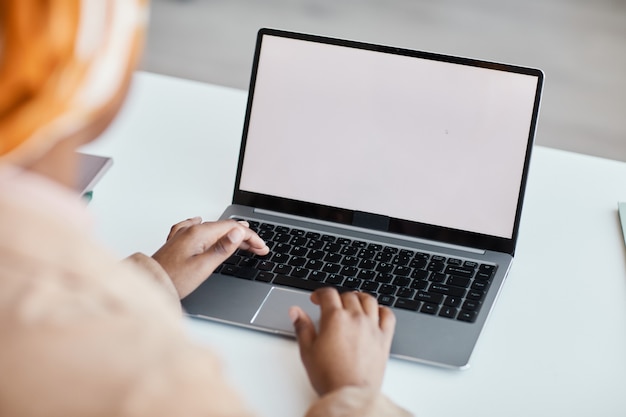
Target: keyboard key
(402, 281)
(315, 244)
(437, 277)
(470, 264)
(282, 248)
(249, 262)
(419, 274)
(333, 258)
(366, 253)
(471, 305)
(384, 278)
(298, 251)
(314, 264)
(316, 254)
(369, 275)
(349, 251)
(405, 292)
(233, 260)
(386, 300)
(384, 267)
(334, 279)
(487, 269)
(383, 257)
(317, 276)
(459, 271)
(246, 272)
(331, 268)
(265, 276)
(281, 238)
(371, 286)
(300, 272)
(229, 270)
(469, 316)
(352, 282)
(367, 264)
(447, 290)
(387, 289)
(282, 229)
(458, 281)
(265, 265)
(401, 259)
(283, 269)
(429, 308)
(350, 261)
(480, 285)
(419, 284)
(454, 261)
(429, 297)
(327, 238)
(449, 312)
(435, 266)
(452, 301)
(407, 304)
(475, 295)
(303, 284)
(297, 261)
(418, 263)
(402, 271)
(298, 241)
(349, 271)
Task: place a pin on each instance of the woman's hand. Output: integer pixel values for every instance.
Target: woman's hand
(194, 249)
(353, 342)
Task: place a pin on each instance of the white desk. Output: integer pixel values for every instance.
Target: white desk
(554, 346)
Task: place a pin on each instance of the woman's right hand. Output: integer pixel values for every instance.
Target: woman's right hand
(352, 345)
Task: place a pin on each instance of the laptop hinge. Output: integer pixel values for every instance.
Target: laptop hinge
(370, 221)
(365, 230)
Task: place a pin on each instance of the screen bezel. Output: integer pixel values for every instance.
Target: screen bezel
(390, 225)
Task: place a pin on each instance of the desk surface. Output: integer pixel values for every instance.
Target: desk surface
(554, 345)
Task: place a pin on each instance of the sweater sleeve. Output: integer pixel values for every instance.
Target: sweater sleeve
(355, 402)
(155, 270)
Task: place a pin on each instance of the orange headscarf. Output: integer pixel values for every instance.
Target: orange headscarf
(64, 68)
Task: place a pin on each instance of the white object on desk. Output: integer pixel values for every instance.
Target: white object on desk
(554, 346)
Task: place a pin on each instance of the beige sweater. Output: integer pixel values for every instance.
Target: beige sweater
(82, 334)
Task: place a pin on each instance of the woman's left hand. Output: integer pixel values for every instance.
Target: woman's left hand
(194, 249)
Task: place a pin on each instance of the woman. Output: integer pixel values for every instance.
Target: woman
(85, 335)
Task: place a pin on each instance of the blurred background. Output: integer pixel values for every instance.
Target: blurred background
(579, 44)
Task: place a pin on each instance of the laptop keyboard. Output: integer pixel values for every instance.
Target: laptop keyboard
(398, 277)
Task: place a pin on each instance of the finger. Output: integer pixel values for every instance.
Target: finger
(351, 302)
(369, 304)
(387, 322)
(253, 243)
(327, 298)
(183, 225)
(304, 328)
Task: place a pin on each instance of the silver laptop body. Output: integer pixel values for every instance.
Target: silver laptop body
(399, 161)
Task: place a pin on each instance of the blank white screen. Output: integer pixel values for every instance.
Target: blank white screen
(409, 138)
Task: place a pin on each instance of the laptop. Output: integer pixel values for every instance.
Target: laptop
(378, 169)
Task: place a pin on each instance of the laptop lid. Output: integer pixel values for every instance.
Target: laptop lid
(407, 142)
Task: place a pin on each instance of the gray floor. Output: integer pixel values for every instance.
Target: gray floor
(580, 45)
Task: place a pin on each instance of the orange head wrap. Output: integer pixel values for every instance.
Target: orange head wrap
(64, 69)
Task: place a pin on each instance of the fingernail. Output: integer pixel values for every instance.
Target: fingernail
(235, 236)
(293, 314)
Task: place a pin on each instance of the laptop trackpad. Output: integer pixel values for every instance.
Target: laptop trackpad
(274, 311)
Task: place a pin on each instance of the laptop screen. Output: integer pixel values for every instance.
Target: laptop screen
(437, 142)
